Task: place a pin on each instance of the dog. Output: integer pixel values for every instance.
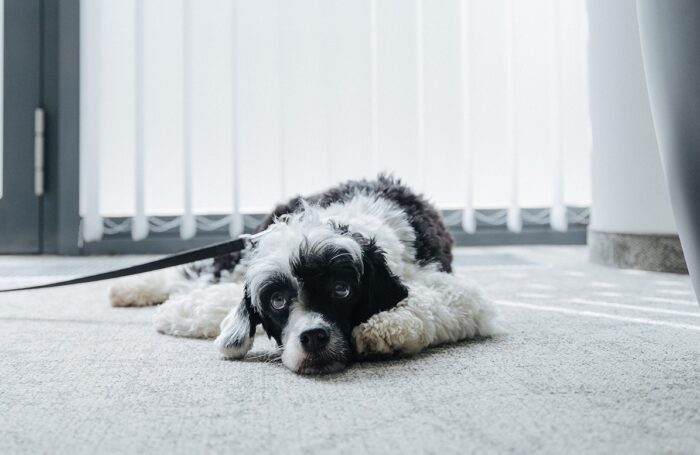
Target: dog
(327, 269)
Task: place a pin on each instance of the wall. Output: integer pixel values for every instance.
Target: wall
(629, 191)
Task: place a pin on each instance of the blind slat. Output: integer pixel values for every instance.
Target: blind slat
(139, 226)
(90, 132)
(420, 93)
(188, 224)
(281, 106)
(236, 226)
(374, 89)
(514, 220)
(468, 220)
(557, 216)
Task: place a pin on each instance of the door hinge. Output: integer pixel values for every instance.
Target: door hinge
(39, 151)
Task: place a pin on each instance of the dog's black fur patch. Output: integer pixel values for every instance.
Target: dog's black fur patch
(374, 287)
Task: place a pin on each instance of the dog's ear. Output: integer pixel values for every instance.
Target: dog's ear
(238, 330)
(382, 289)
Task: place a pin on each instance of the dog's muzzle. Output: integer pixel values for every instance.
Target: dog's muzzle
(313, 345)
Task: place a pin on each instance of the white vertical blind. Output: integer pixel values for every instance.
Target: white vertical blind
(468, 219)
(139, 227)
(91, 126)
(216, 107)
(236, 226)
(514, 220)
(188, 225)
(329, 42)
(280, 96)
(420, 94)
(374, 88)
(558, 219)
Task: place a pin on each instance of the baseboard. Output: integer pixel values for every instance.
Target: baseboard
(653, 252)
(491, 230)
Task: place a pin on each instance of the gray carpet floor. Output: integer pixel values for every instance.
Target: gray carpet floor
(594, 360)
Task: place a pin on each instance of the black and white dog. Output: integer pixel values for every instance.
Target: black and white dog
(329, 280)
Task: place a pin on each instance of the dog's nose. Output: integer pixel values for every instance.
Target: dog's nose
(314, 340)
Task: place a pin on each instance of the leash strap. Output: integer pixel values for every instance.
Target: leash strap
(198, 254)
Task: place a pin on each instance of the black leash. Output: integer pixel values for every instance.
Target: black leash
(198, 254)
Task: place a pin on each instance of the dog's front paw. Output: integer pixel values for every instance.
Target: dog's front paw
(143, 290)
(369, 343)
(389, 332)
(236, 337)
(197, 313)
(232, 347)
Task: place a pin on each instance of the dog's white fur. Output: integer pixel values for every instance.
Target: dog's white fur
(293, 355)
(232, 328)
(199, 312)
(440, 308)
(146, 289)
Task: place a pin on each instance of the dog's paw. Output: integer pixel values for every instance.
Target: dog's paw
(142, 290)
(232, 347)
(368, 343)
(197, 313)
(389, 332)
(235, 339)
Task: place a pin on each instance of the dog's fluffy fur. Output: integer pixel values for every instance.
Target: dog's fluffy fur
(415, 301)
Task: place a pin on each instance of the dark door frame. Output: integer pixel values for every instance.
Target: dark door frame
(20, 208)
(42, 69)
(61, 100)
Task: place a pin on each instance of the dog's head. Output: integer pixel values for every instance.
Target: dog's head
(309, 284)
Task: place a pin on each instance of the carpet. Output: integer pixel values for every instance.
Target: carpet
(593, 360)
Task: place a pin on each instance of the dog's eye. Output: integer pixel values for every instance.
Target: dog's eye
(341, 290)
(278, 301)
